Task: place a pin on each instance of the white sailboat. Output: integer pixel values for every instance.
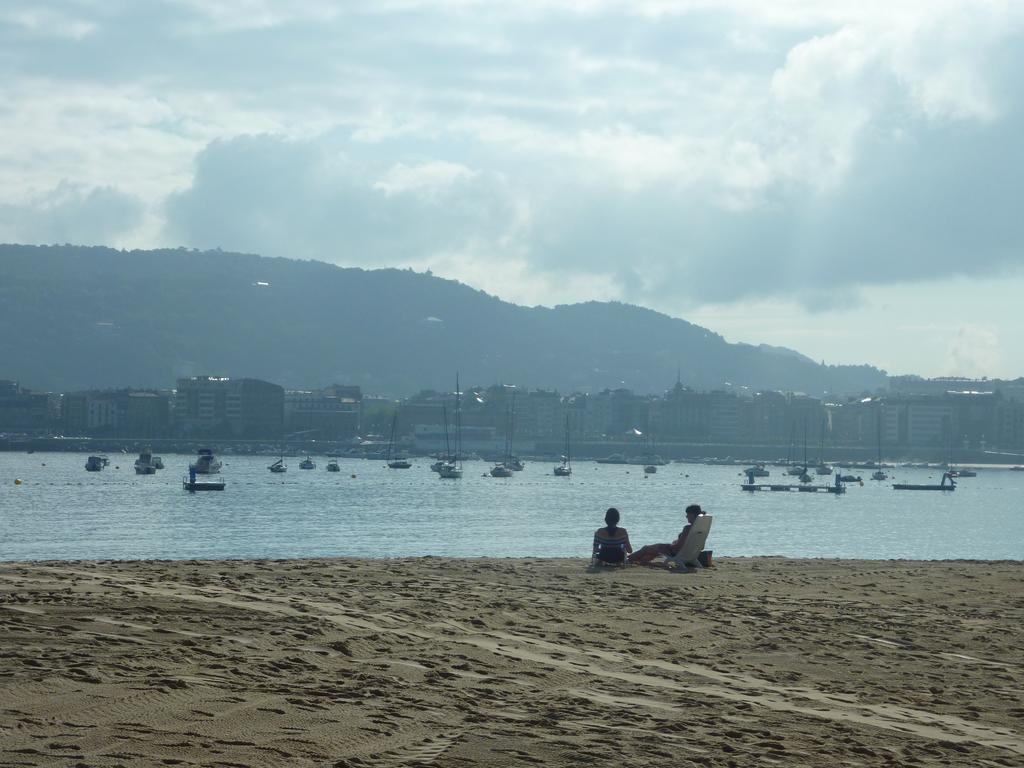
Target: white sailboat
(878, 474)
(452, 468)
(394, 461)
(822, 468)
(804, 477)
(506, 467)
(565, 468)
(279, 466)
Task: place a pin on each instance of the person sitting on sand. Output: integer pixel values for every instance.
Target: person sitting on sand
(645, 554)
(611, 543)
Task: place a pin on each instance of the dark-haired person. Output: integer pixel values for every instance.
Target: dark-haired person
(611, 543)
(645, 554)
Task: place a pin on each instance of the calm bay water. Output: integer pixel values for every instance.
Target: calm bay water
(63, 512)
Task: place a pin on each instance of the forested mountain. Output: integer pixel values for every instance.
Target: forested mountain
(79, 317)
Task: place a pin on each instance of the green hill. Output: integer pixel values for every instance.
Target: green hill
(77, 317)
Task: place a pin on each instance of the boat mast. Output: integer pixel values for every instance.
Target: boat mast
(511, 427)
(391, 442)
(458, 423)
(879, 431)
(568, 456)
(447, 445)
(805, 444)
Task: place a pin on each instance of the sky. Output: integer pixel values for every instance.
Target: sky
(841, 178)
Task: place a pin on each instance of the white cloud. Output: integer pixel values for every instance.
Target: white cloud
(38, 21)
(426, 178)
(973, 351)
(72, 214)
(677, 154)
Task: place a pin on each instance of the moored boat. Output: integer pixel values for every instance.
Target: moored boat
(565, 468)
(395, 461)
(206, 463)
(450, 471)
(144, 464)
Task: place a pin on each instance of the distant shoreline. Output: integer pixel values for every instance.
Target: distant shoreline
(726, 454)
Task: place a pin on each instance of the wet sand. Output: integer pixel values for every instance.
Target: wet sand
(511, 662)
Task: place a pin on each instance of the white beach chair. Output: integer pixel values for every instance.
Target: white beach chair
(687, 556)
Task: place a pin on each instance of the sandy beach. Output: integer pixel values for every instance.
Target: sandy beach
(511, 662)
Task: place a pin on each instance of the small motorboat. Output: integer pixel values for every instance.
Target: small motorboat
(95, 463)
(307, 463)
(206, 463)
(333, 466)
(500, 470)
(144, 464)
(650, 469)
(158, 462)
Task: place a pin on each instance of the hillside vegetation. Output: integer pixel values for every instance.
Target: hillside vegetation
(77, 317)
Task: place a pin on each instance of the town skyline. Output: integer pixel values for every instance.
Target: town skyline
(911, 414)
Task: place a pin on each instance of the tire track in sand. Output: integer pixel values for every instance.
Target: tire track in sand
(673, 679)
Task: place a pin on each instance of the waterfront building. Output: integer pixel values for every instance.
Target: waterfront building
(326, 414)
(143, 413)
(219, 406)
(25, 410)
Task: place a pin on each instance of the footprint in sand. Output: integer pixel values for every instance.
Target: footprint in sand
(426, 751)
